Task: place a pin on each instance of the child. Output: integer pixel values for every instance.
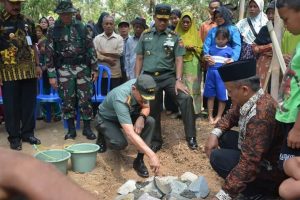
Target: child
(214, 86)
(288, 113)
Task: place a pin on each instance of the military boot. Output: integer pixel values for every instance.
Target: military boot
(87, 131)
(71, 129)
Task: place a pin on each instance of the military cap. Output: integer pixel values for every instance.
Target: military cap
(162, 11)
(146, 85)
(238, 70)
(123, 22)
(65, 6)
(139, 20)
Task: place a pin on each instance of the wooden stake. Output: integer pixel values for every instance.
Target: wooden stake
(242, 9)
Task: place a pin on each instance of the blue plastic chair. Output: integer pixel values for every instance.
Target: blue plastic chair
(98, 97)
(1, 98)
(47, 98)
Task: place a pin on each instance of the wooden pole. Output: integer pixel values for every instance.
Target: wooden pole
(276, 53)
(275, 82)
(242, 9)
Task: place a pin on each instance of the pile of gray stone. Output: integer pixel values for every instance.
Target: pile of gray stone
(188, 186)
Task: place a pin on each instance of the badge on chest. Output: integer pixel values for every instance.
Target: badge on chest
(169, 45)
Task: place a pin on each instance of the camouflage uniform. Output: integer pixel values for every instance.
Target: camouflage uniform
(71, 57)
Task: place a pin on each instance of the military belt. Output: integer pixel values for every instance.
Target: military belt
(158, 73)
(73, 61)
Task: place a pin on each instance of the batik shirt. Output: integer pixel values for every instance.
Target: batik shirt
(259, 142)
(17, 37)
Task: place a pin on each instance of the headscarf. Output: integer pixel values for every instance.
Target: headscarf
(264, 37)
(190, 37)
(258, 22)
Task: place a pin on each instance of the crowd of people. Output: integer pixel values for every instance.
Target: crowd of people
(163, 64)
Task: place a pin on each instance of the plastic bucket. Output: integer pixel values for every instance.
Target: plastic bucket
(57, 157)
(83, 157)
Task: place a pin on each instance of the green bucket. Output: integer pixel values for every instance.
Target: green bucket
(57, 157)
(83, 157)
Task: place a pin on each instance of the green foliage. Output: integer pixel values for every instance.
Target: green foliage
(121, 9)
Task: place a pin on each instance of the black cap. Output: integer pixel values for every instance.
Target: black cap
(65, 6)
(238, 70)
(162, 11)
(139, 20)
(271, 5)
(123, 22)
(146, 86)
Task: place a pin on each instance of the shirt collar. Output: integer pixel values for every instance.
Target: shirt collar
(113, 35)
(251, 102)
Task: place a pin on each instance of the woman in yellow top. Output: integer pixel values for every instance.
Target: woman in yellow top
(187, 30)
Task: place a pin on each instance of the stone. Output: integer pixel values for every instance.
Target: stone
(137, 193)
(200, 187)
(127, 187)
(152, 190)
(150, 179)
(125, 197)
(174, 196)
(188, 194)
(188, 176)
(177, 187)
(163, 183)
(146, 196)
(140, 184)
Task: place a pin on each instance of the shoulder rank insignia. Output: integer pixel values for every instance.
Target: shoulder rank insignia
(147, 30)
(173, 33)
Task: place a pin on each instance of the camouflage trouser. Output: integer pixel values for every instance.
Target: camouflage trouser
(75, 89)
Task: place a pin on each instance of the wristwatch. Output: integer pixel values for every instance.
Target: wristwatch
(144, 116)
(179, 79)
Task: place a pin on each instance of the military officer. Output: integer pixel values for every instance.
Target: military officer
(19, 68)
(159, 54)
(127, 107)
(72, 66)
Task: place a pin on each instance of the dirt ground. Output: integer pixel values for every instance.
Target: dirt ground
(115, 168)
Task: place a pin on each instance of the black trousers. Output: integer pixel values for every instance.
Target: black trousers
(115, 138)
(19, 99)
(224, 159)
(184, 101)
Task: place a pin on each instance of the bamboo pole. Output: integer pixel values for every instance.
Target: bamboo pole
(242, 9)
(275, 82)
(276, 54)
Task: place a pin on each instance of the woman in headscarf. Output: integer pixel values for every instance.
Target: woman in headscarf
(250, 27)
(262, 47)
(223, 17)
(98, 26)
(187, 30)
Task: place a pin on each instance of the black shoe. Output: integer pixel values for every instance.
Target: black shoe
(16, 145)
(101, 142)
(89, 134)
(155, 146)
(140, 168)
(71, 135)
(87, 131)
(31, 140)
(192, 143)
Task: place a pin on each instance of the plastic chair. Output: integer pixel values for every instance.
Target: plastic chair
(98, 97)
(1, 98)
(47, 98)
